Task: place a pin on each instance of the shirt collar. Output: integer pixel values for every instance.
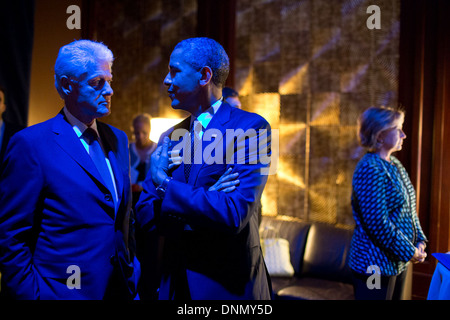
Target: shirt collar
(205, 117)
(76, 124)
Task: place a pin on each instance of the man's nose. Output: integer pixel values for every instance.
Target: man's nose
(107, 89)
(167, 80)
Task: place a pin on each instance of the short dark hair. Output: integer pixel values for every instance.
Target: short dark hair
(229, 92)
(201, 52)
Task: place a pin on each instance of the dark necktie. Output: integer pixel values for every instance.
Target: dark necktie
(196, 126)
(98, 156)
(141, 170)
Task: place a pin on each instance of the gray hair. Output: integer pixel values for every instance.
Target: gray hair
(202, 52)
(75, 59)
(373, 121)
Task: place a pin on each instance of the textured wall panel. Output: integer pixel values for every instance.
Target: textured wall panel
(141, 34)
(327, 67)
(310, 67)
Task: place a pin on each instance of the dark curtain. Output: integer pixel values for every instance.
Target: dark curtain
(217, 20)
(424, 93)
(16, 46)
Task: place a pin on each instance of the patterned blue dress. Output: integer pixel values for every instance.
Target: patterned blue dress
(387, 228)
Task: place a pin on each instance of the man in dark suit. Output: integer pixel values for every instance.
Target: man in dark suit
(211, 247)
(7, 129)
(65, 195)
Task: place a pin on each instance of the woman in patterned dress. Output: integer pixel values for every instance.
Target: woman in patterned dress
(387, 232)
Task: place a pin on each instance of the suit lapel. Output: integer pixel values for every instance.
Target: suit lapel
(110, 144)
(221, 117)
(178, 173)
(218, 122)
(66, 138)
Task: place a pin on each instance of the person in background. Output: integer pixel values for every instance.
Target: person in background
(7, 129)
(211, 247)
(140, 151)
(232, 97)
(65, 193)
(387, 235)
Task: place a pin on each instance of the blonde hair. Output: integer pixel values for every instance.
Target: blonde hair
(373, 121)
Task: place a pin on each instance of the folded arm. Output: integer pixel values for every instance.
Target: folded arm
(203, 205)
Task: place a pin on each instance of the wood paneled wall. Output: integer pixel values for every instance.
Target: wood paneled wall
(424, 91)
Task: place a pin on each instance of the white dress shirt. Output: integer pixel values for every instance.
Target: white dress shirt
(206, 117)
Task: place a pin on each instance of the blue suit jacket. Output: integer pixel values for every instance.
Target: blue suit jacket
(56, 213)
(219, 252)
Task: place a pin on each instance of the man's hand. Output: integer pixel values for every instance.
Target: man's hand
(160, 163)
(227, 182)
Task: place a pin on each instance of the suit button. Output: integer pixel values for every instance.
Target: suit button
(108, 197)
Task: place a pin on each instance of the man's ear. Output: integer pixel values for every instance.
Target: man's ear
(206, 75)
(66, 85)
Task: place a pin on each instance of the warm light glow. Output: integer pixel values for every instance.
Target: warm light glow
(160, 125)
(285, 173)
(294, 82)
(269, 204)
(267, 105)
(246, 87)
(326, 109)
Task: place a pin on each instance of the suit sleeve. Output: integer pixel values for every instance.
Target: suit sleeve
(227, 212)
(21, 182)
(370, 192)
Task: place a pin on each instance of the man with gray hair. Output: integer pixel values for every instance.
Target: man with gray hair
(65, 192)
